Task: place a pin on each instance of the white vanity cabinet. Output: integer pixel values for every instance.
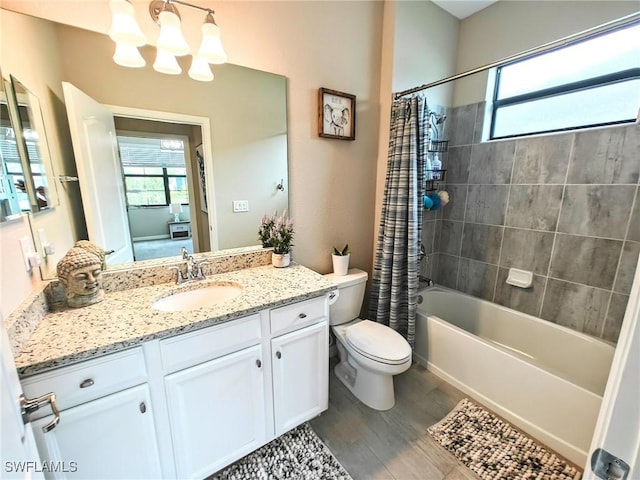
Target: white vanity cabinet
(216, 408)
(300, 363)
(217, 393)
(106, 427)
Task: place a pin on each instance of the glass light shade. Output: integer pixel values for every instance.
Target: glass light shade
(128, 56)
(166, 63)
(171, 38)
(211, 48)
(124, 28)
(200, 70)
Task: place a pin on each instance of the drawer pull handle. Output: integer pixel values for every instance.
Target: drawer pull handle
(86, 383)
(278, 354)
(30, 405)
(258, 363)
(302, 315)
(143, 407)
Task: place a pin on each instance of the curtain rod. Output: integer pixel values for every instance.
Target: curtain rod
(532, 51)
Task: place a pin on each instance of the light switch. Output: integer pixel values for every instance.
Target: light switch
(27, 252)
(240, 206)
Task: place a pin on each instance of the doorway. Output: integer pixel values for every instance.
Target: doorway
(152, 135)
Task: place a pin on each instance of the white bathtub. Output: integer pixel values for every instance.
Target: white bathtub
(546, 379)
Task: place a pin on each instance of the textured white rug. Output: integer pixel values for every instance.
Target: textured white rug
(298, 454)
(495, 450)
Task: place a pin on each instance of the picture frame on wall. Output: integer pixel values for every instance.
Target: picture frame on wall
(202, 181)
(336, 114)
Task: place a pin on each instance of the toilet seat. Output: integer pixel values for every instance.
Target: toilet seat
(377, 342)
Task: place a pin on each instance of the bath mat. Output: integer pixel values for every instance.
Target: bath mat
(495, 450)
(298, 454)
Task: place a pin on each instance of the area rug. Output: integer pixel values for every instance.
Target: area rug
(298, 454)
(495, 450)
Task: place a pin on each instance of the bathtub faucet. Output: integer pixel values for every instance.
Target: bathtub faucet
(427, 280)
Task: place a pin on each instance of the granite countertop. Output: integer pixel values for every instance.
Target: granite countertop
(126, 319)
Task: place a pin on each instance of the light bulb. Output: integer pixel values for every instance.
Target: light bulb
(211, 47)
(166, 63)
(128, 56)
(124, 28)
(171, 38)
(200, 70)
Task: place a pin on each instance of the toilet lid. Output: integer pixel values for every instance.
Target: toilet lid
(378, 342)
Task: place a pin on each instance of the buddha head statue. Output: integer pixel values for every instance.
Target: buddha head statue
(80, 272)
(95, 249)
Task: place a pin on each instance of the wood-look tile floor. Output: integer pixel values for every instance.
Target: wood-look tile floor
(393, 444)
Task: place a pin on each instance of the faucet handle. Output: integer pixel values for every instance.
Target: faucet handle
(199, 273)
(180, 276)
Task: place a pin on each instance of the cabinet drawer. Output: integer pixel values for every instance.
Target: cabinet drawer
(180, 228)
(209, 343)
(88, 380)
(292, 317)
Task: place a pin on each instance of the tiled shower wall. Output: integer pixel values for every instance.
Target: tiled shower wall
(564, 206)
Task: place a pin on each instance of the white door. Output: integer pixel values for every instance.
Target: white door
(300, 375)
(19, 454)
(95, 147)
(217, 412)
(618, 428)
(111, 437)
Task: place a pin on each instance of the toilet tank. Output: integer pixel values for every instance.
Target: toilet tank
(351, 294)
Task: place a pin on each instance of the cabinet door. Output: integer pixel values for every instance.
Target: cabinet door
(217, 412)
(300, 362)
(111, 437)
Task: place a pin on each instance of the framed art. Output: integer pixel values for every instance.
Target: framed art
(202, 180)
(336, 114)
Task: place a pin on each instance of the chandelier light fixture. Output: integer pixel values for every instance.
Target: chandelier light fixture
(128, 36)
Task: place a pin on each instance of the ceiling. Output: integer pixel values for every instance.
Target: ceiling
(463, 8)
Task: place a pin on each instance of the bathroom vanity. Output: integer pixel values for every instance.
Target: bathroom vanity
(151, 394)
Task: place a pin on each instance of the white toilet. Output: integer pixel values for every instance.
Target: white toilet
(370, 353)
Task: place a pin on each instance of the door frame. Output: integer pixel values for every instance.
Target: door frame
(205, 126)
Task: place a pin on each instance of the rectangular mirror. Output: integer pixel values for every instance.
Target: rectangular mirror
(33, 147)
(14, 199)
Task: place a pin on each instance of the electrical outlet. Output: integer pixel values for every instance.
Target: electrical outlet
(240, 206)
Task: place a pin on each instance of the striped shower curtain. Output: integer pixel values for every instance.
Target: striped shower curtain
(394, 288)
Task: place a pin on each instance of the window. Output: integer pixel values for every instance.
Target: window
(590, 83)
(154, 171)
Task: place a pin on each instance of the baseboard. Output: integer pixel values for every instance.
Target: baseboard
(151, 237)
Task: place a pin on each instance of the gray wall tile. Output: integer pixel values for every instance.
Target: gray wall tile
(457, 164)
(534, 206)
(481, 242)
(627, 268)
(587, 260)
(606, 156)
(428, 236)
(451, 237)
(486, 204)
(477, 278)
(615, 316)
(454, 210)
(526, 250)
(542, 159)
(492, 162)
(575, 306)
(634, 227)
(460, 125)
(446, 270)
(598, 210)
(527, 300)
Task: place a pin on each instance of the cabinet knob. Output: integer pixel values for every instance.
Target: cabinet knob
(302, 315)
(86, 383)
(278, 354)
(258, 363)
(143, 407)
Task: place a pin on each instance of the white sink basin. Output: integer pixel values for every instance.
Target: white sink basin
(205, 296)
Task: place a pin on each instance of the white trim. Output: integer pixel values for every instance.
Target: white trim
(207, 144)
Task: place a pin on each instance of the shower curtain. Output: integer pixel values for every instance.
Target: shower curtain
(394, 288)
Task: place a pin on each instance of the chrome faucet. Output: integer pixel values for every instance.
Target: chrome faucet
(193, 270)
(184, 252)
